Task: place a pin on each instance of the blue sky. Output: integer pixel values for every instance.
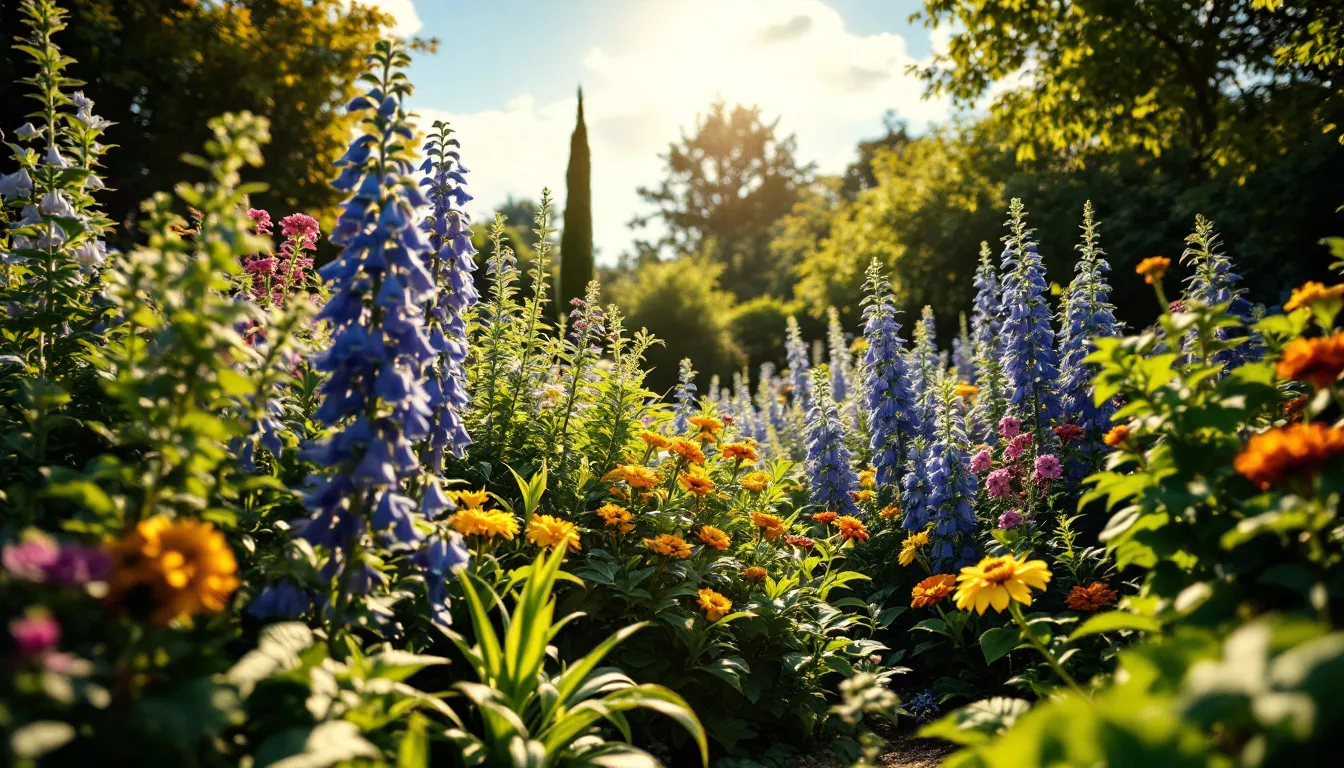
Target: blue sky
(506, 72)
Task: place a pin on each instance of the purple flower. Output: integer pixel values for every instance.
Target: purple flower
(1048, 468)
(981, 462)
(1010, 519)
(1017, 447)
(1009, 426)
(31, 558)
(261, 219)
(77, 565)
(300, 224)
(999, 482)
(34, 634)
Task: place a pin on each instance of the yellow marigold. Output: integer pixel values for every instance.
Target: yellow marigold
(707, 438)
(696, 483)
(1312, 292)
(997, 581)
(549, 532)
(713, 537)
(1296, 449)
(185, 566)
(706, 423)
(911, 546)
(633, 475)
(470, 499)
(687, 450)
(486, 523)
(653, 439)
(932, 590)
(619, 493)
(1153, 268)
(1091, 598)
(1116, 436)
(669, 545)
(616, 516)
(714, 605)
(738, 452)
(755, 481)
(824, 517)
(1317, 361)
(890, 511)
(773, 525)
(755, 574)
(868, 477)
(852, 528)
(966, 391)
(862, 495)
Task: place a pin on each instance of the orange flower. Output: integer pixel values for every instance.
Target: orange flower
(614, 516)
(714, 605)
(868, 477)
(802, 542)
(1317, 361)
(773, 525)
(634, 475)
(687, 450)
(755, 574)
(619, 493)
(755, 481)
(1091, 598)
(1293, 408)
(669, 546)
(1311, 293)
(696, 483)
(738, 452)
(653, 440)
(706, 423)
(1117, 436)
(1296, 449)
(824, 517)
(549, 532)
(713, 537)
(1153, 268)
(862, 495)
(184, 566)
(966, 391)
(852, 528)
(890, 511)
(932, 590)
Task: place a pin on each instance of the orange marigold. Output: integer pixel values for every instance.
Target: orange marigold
(1296, 449)
(1153, 268)
(755, 574)
(890, 511)
(1117, 436)
(706, 423)
(696, 483)
(634, 475)
(687, 450)
(715, 605)
(852, 527)
(669, 545)
(773, 525)
(824, 517)
(549, 532)
(755, 481)
(185, 566)
(738, 452)
(1312, 292)
(653, 439)
(802, 542)
(932, 590)
(713, 537)
(615, 516)
(1318, 361)
(1091, 598)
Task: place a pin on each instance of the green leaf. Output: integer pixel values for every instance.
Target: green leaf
(976, 723)
(413, 752)
(1113, 621)
(997, 642)
(277, 650)
(319, 747)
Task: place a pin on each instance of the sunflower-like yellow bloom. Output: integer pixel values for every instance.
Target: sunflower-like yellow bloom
(185, 565)
(486, 523)
(706, 423)
(868, 477)
(653, 440)
(755, 481)
(713, 537)
(669, 545)
(549, 532)
(966, 391)
(773, 525)
(714, 605)
(738, 452)
(616, 516)
(687, 450)
(696, 483)
(997, 581)
(470, 499)
(862, 495)
(633, 475)
(911, 546)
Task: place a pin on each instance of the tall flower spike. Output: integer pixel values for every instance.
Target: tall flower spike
(948, 486)
(830, 472)
(986, 326)
(1214, 282)
(800, 368)
(450, 261)
(1088, 315)
(375, 396)
(684, 398)
(773, 419)
(986, 321)
(963, 354)
(841, 363)
(1031, 364)
(924, 365)
(891, 404)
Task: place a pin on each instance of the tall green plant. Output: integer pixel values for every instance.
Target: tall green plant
(576, 241)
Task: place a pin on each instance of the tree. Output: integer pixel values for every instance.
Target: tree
(859, 175)
(161, 68)
(724, 187)
(576, 240)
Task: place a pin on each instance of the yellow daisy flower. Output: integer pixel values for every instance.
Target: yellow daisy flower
(997, 581)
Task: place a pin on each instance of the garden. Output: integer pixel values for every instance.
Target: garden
(288, 487)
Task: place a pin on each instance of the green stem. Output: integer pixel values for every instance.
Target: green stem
(1050, 659)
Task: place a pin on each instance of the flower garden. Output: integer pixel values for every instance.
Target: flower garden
(261, 512)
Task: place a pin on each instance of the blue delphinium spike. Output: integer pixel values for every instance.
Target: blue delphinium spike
(943, 491)
(1213, 282)
(800, 368)
(1088, 315)
(830, 472)
(963, 354)
(684, 398)
(924, 366)
(1031, 364)
(841, 363)
(891, 404)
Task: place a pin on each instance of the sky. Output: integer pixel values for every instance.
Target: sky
(506, 74)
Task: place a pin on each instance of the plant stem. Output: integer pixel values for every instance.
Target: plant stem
(1016, 610)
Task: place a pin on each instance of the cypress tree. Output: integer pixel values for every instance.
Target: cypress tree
(576, 241)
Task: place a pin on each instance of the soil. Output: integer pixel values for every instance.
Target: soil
(903, 751)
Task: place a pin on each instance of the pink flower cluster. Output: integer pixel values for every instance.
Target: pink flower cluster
(40, 560)
(275, 276)
(1017, 446)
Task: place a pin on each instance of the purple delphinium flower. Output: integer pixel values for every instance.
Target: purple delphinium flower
(684, 397)
(1010, 519)
(34, 634)
(1212, 282)
(282, 600)
(949, 486)
(800, 369)
(963, 354)
(1048, 467)
(1088, 315)
(1000, 482)
(925, 370)
(891, 404)
(438, 557)
(841, 362)
(1031, 364)
(830, 472)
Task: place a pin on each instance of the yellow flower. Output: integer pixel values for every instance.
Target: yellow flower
(713, 537)
(773, 525)
(755, 481)
(738, 452)
(696, 483)
(714, 605)
(706, 423)
(669, 545)
(890, 511)
(851, 528)
(911, 546)
(868, 477)
(966, 391)
(470, 499)
(1116, 436)
(653, 440)
(486, 523)
(185, 565)
(633, 475)
(1153, 268)
(755, 574)
(687, 450)
(615, 516)
(997, 581)
(1312, 292)
(862, 495)
(549, 532)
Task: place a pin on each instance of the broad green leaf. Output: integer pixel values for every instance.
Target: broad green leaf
(1114, 621)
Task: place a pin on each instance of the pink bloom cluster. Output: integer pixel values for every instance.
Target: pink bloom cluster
(1017, 446)
(40, 560)
(275, 276)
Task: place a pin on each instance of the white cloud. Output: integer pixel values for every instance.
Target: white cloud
(793, 58)
(407, 20)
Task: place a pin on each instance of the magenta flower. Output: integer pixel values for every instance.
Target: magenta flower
(30, 558)
(1048, 468)
(981, 462)
(261, 266)
(261, 219)
(34, 634)
(78, 565)
(302, 225)
(1009, 426)
(1010, 519)
(1017, 447)
(999, 482)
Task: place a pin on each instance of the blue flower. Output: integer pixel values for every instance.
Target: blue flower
(830, 473)
(684, 397)
(800, 369)
(1213, 282)
(841, 362)
(1088, 315)
(963, 354)
(924, 367)
(1031, 365)
(943, 489)
(281, 600)
(891, 404)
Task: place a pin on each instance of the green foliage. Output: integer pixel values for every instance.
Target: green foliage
(576, 240)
